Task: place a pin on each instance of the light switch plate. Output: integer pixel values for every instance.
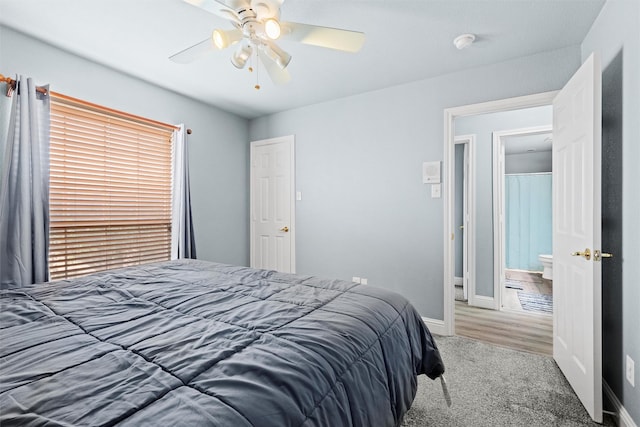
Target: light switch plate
(435, 191)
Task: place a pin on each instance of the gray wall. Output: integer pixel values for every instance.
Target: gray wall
(537, 162)
(218, 150)
(364, 210)
(616, 36)
(483, 126)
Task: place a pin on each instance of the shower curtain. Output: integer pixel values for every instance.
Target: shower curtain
(527, 220)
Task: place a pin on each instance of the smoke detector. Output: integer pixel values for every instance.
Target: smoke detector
(464, 40)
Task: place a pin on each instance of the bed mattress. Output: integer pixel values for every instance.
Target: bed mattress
(197, 343)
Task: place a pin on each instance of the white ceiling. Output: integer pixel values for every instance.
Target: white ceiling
(405, 41)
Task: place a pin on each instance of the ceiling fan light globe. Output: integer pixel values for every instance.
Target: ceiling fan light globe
(272, 28)
(220, 39)
(223, 39)
(238, 62)
(240, 56)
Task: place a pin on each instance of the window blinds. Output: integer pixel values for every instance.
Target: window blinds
(110, 190)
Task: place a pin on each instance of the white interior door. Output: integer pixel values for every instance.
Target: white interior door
(272, 227)
(465, 224)
(577, 329)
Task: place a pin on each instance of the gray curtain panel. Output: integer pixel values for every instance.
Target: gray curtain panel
(24, 189)
(183, 243)
(5, 114)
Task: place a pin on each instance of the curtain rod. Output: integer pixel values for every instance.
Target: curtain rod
(11, 86)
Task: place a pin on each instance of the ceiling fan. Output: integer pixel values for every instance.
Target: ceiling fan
(257, 26)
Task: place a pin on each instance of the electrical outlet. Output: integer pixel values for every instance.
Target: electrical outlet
(364, 281)
(631, 371)
(355, 279)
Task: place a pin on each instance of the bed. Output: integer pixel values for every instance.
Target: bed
(191, 342)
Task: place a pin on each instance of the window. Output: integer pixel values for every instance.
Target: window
(110, 189)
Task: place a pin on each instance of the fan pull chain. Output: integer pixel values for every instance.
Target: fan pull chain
(257, 86)
(250, 69)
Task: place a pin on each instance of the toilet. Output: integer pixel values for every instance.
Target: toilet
(547, 263)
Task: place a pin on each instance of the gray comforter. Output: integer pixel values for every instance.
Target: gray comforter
(198, 343)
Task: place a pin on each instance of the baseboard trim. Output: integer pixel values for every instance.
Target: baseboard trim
(484, 302)
(435, 326)
(623, 417)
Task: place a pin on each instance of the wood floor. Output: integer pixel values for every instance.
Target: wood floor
(519, 330)
(532, 283)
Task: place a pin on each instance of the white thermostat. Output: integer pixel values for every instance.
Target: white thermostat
(431, 172)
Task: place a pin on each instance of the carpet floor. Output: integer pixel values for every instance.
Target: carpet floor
(495, 386)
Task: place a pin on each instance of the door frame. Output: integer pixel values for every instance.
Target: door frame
(290, 141)
(469, 210)
(499, 233)
(450, 114)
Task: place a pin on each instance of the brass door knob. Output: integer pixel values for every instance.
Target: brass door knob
(586, 254)
(285, 229)
(597, 255)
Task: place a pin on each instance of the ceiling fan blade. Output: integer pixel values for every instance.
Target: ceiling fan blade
(194, 52)
(275, 54)
(278, 75)
(217, 8)
(332, 38)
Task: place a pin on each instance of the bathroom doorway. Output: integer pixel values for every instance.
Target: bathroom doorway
(487, 268)
(481, 316)
(522, 166)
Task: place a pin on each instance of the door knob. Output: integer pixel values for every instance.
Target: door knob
(285, 229)
(586, 254)
(597, 255)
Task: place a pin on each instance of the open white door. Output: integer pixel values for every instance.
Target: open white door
(272, 217)
(577, 328)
